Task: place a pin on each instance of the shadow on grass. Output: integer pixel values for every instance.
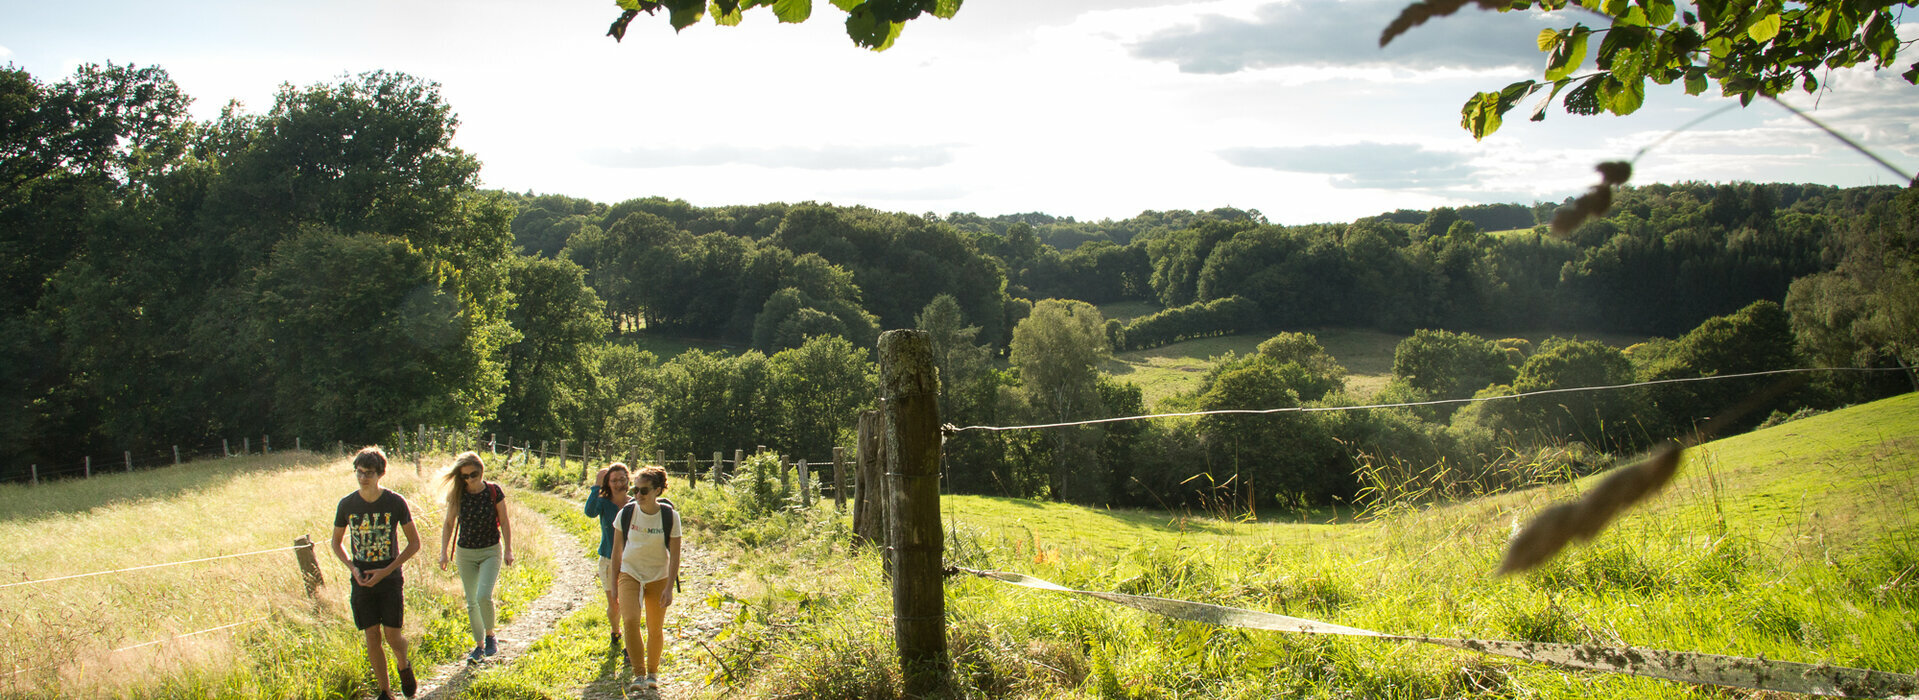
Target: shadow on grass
(24, 502)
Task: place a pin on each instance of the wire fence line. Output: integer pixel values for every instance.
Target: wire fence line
(173, 638)
(157, 566)
(1691, 667)
(949, 429)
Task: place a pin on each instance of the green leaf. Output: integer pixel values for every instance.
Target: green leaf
(1695, 82)
(722, 17)
(1764, 29)
(1539, 108)
(1584, 98)
(1623, 97)
(1658, 12)
(1569, 56)
(1882, 37)
(945, 9)
(1912, 76)
(1548, 38)
(792, 11)
(848, 5)
(1480, 116)
(869, 31)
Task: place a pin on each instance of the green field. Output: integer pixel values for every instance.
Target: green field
(1797, 543)
(1366, 354)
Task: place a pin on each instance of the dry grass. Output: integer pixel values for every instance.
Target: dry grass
(66, 629)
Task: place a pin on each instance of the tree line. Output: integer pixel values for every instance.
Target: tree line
(330, 269)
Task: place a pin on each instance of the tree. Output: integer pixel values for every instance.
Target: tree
(820, 388)
(1438, 364)
(872, 24)
(1057, 351)
(961, 362)
(1751, 49)
(549, 374)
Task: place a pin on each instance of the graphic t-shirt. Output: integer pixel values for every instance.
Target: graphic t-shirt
(372, 529)
(479, 517)
(645, 555)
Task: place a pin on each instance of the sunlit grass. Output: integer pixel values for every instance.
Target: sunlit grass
(305, 648)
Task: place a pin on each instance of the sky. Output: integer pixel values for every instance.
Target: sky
(1092, 109)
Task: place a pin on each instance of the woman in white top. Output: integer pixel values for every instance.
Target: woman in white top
(646, 553)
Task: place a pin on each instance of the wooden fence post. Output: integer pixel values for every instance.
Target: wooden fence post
(493, 444)
(910, 385)
(246, 445)
(36, 475)
(562, 456)
(176, 455)
(659, 457)
(692, 471)
(266, 444)
(839, 478)
(869, 518)
(739, 460)
(806, 486)
(309, 564)
(296, 443)
(225, 451)
(786, 477)
(419, 438)
(717, 473)
(542, 454)
(128, 456)
(89, 472)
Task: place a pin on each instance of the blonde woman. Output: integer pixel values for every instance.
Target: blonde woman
(646, 553)
(476, 509)
(605, 501)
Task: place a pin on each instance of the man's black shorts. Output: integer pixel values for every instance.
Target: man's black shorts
(382, 604)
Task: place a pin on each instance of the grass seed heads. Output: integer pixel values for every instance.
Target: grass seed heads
(1581, 520)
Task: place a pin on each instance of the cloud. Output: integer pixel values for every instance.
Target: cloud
(1333, 33)
(5, 52)
(910, 157)
(1367, 165)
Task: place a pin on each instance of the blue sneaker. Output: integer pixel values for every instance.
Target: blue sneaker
(478, 653)
(492, 647)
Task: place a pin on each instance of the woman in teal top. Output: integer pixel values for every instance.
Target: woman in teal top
(605, 502)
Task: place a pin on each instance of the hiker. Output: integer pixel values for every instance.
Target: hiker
(604, 502)
(477, 508)
(372, 515)
(646, 553)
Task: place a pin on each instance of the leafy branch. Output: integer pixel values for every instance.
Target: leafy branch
(872, 24)
(1750, 48)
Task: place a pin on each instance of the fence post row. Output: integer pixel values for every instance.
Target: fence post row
(910, 385)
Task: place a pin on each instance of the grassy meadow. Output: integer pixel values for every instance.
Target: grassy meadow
(1799, 542)
(62, 633)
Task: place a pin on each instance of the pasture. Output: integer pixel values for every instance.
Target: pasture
(61, 635)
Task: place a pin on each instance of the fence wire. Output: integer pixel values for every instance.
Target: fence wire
(156, 566)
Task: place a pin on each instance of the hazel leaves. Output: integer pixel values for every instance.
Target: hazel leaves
(871, 24)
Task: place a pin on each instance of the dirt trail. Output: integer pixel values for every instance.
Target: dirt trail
(575, 584)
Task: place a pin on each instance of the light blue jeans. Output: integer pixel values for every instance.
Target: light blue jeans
(479, 570)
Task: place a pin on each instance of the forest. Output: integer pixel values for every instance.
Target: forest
(332, 269)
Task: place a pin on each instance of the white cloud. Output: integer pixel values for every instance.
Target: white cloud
(806, 158)
(1366, 164)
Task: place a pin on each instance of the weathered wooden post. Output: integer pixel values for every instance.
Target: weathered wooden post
(562, 456)
(266, 444)
(659, 457)
(225, 451)
(868, 507)
(176, 455)
(296, 443)
(692, 471)
(786, 478)
(128, 456)
(739, 460)
(89, 472)
(309, 565)
(419, 439)
(806, 486)
(36, 475)
(839, 478)
(717, 473)
(246, 445)
(910, 385)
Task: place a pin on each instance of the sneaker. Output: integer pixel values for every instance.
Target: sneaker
(616, 639)
(407, 683)
(478, 653)
(384, 695)
(652, 681)
(638, 684)
(492, 647)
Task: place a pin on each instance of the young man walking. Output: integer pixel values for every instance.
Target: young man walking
(372, 516)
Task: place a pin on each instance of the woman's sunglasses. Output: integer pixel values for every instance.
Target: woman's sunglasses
(475, 474)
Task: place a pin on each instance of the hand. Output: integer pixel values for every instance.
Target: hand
(508, 559)
(377, 575)
(443, 561)
(600, 478)
(359, 577)
(666, 596)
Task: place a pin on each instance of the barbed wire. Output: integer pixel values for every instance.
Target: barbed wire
(949, 429)
(156, 566)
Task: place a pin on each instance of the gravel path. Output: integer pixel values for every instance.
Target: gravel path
(690, 621)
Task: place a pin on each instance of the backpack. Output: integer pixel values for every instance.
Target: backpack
(666, 523)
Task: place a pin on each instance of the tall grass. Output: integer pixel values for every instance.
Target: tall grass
(65, 631)
(1800, 543)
